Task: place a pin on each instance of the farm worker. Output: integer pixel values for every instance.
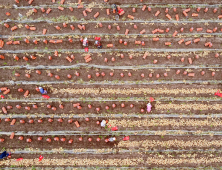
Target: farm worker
(126, 138)
(103, 123)
(120, 11)
(151, 99)
(112, 139)
(5, 154)
(149, 107)
(97, 42)
(218, 94)
(45, 96)
(114, 128)
(85, 42)
(40, 157)
(42, 90)
(19, 159)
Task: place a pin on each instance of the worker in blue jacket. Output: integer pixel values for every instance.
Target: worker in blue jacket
(43, 91)
(5, 154)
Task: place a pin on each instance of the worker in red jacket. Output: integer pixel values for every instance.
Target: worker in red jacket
(97, 42)
(218, 93)
(120, 11)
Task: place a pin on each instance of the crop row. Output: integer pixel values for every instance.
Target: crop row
(103, 90)
(129, 14)
(132, 29)
(100, 151)
(90, 74)
(164, 122)
(104, 29)
(149, 160)
(121, 124)
(74, 95)
(188, 160)
(56, 139)
(191, 106)
(114, 107)
(92, 116)
(76, 107)
(107, 60)
(123, 58)
(53, 123)
(79, 141)
(110, 51)
(74, 161)
(134, 91)
(125, 44)
(148, 144)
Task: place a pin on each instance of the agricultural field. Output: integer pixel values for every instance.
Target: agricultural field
(166, 54)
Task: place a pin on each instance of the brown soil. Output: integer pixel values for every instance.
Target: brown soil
(16, 144)
(93, 28)
(53, 126)
(139, 14)
(136, 75)
(92, 126)
(130, 44)
(68, 108)
(96, 59)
